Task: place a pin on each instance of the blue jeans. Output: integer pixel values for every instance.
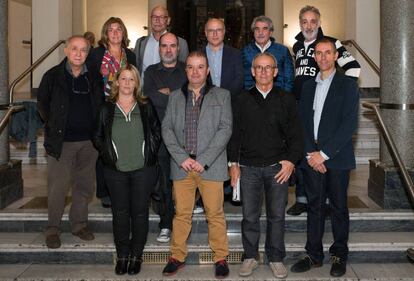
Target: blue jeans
(333, 185)
(254, 182)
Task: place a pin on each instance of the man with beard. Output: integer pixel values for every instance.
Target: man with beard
(159, 81)
(307, 68)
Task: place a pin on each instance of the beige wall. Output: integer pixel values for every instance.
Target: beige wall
(19, 54)
(134, 13)
(78, 16)
(333, 17)
(274, 10)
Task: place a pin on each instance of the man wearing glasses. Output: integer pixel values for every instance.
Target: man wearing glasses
(262, 28)
(263, 149)
(146, 47)
(68, 100)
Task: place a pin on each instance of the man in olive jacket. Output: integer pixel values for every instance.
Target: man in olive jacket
(68, 99)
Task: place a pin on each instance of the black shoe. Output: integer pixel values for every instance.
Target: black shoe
(338, 266)
(106, 202)
(172, 267)
(53, 241)
(221, 269)
(297, 209)
(134, 266)
(305, 264)
(121, 266)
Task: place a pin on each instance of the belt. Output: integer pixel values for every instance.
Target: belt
(193, 156)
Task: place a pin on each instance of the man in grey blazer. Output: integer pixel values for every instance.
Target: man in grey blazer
(196, 128)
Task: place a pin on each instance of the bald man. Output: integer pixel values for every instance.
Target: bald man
(146, 47)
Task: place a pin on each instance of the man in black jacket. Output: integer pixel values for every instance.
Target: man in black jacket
(68, 99)
(263, 150)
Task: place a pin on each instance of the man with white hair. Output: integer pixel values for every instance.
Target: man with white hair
(307, 68)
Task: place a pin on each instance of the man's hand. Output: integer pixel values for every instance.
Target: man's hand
(315, 159)
(165, 91)
(187, 165)
(321, 168)
(234, 175)
(196, 166)
(285, 172)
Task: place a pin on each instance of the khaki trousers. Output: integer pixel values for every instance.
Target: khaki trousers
(212, 195)
(76, 168)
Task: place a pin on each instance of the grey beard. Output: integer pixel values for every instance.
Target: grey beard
(167, 60)
(310, 37)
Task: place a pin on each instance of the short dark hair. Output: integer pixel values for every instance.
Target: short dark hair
(197, 53)
(176, 37)
(326, 40)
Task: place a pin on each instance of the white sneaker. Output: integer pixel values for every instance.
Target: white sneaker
(198, 210)
(164, 236)
(247, 267)
(278, 269)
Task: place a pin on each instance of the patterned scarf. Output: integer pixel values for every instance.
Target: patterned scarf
(109, 68)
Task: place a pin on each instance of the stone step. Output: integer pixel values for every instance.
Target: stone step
(77, 272)
(381, 247)
(374, 221)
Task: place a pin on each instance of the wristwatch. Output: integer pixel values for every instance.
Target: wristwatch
(230, 164)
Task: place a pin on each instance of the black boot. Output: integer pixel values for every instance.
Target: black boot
(134, 265)
(121, 266)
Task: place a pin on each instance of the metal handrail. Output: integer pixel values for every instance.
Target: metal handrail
(371, 63)
(31, 68)
(11, 109)
(409, 186)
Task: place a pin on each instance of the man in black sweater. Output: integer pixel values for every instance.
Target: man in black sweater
(265, 145)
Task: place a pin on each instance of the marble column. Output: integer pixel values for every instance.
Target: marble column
(11, 182)
(396, 102)
(4, 78)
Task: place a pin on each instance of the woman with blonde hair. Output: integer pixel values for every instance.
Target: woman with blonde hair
(105, 60)
(127, 137)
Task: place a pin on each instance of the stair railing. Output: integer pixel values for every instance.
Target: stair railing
(32, 67)
(371, 63)
(11, 107)
(408, 183)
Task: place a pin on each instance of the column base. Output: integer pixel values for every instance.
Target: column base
(11, 183)
(385, 186)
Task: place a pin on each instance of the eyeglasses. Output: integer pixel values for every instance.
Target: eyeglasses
(212, 31)
(78, 91)
(267, 68)
(159, 18)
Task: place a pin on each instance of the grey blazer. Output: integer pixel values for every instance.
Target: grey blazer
(213, 133)
(141, 43)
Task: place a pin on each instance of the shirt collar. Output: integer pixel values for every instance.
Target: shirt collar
(68, 67)
(329, 79)
(208, 47)
(267, 45)
(152, 35)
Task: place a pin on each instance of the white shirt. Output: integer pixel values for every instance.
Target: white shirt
(262, 50)
(264, 94)
(322, 88)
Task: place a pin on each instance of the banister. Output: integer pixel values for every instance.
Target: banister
(31, 68)
(371, 63)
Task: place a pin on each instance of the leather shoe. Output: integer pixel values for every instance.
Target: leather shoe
(53, 241)
(305, 264)
(84, 234)
(121, 266)
(338, 267)
(410, 254)
(134, 266)
(297, 209)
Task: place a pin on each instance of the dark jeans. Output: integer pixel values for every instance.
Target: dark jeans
(130, 193)
(102, 189)
(164, 161)
(333, 185)
(254, 181)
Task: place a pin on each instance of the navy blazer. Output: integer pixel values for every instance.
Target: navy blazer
(232, 78)
(339, 121)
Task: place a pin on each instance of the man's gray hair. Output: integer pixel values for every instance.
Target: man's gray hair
(309, 8)
(262, 18)
(69, 40)
(265, 54)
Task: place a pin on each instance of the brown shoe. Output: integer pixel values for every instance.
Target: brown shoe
(53, 241)
(84, 234)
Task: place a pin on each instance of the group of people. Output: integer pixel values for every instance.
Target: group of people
(187, 121)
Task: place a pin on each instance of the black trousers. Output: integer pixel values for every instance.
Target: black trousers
(102, 190)
(167, 216)
(333, 185)
(130, 193)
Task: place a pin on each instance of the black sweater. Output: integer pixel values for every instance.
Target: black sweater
(265, 131)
